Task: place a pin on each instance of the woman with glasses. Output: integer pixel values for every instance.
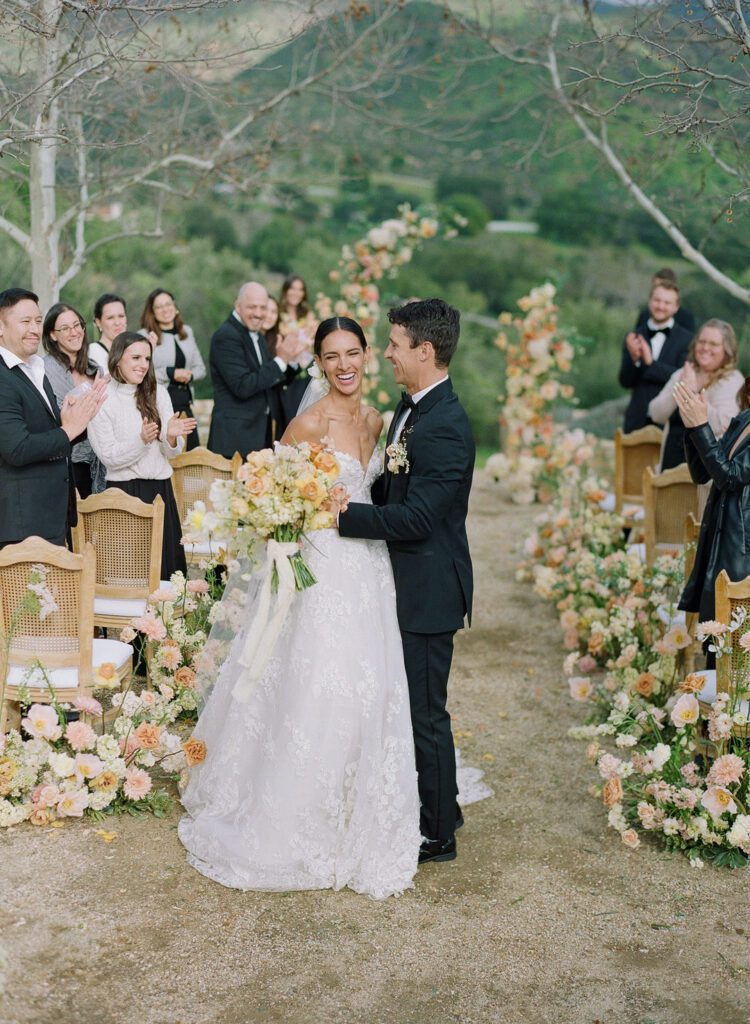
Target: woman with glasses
(177, 361)
(711, 368)
(68, 366)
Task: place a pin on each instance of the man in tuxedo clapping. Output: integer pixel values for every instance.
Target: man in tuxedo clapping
(650, 357)
(246, 380)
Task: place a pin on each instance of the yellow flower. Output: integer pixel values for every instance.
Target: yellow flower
(105, 675)
(105, 781)
(312, 490)
(8, 769)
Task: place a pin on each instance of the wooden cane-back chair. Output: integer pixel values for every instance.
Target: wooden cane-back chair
(633, 453)
(52, 644)
(127, 535)
(668, 499)
(690, 537)
(194, 472)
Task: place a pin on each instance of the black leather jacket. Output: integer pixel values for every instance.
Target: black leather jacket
(724, 541)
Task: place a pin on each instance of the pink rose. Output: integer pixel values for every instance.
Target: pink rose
(630, 839)
(586, 664)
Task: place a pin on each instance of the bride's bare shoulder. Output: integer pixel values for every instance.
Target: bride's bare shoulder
(309, 426)
(374, 421)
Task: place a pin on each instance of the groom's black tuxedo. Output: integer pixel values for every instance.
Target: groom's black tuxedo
(422, 516)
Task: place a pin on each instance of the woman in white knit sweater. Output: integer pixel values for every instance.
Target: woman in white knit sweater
(136, 433)
(711, 367)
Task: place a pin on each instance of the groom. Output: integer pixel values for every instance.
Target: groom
(420, 510)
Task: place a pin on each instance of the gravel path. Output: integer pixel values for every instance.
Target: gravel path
(544, 917)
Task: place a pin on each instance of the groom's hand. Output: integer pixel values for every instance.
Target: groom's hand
(339, 501)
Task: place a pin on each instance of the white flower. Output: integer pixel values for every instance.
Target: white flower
(100, 799)
(670, 826)
(616, 819)
(107, 747)
(62, 765)
(739, 833)
(13, 814)
(621, 701)
(626, 740)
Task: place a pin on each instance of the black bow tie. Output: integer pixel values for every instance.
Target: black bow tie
(660, 330)
(408, 400)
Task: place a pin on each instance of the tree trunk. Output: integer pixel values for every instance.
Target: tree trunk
(45, 237)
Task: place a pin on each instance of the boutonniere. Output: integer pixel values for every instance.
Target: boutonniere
(397, 456)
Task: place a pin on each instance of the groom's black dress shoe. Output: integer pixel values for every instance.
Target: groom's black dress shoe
(437, 849)
(459, 817)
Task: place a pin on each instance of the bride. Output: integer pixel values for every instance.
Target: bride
(312, 784)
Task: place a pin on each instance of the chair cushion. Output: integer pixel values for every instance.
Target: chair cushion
(634, 512)
(607, 504)
(670, 616)
(123, 607)
(708, 694)
(202, 548)
(67, 678)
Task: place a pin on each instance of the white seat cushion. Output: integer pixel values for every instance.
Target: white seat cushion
(113, 651)
(123, 607)
(708, 694)
(670, 616)
(607, 504)
(202, 548)
(634, 512)
(638, 549)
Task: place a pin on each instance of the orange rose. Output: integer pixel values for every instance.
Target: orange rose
(256, 486)
(195, 751)
(326, 462)
(105, 675)
(644, 684)
(185, 677)
(692, 683)
(612, 793)
(148, 735)
(311, 489)
(596, 643)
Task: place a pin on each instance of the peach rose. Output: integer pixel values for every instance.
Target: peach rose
(596, 643)
(185, 677)
(148, 735)
(41, 816)
(312, 490)
(630, 839)
(612, 793)
(195, 751)
(692, 683)
(257, 486)
(105, 675)
(326, 462)
(644, 684)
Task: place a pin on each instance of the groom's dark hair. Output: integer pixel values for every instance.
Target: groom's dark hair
(430, 320)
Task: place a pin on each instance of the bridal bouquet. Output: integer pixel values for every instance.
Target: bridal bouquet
(279, 496)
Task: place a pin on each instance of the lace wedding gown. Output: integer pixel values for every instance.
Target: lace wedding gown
(312, 784)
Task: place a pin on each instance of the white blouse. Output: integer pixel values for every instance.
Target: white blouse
(115, 435)
(99, 355)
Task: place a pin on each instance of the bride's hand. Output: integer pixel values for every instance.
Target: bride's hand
(339, 501)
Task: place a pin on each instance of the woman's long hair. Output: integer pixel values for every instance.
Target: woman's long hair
(145, 392)
(728, 340)
(148, 317)
(81, 364)
(303, 308)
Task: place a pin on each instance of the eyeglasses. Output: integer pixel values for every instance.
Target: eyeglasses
(709, 344)
(80, 326)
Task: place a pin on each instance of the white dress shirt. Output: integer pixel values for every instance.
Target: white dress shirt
(254, 335)
(33, 367)
(415, 398)
(658, 339)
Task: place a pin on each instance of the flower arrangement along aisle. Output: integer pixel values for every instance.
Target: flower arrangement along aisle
(535, 449)
(55, 767)
(279, 496)
(380, 254)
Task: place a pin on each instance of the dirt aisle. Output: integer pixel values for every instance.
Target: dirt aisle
(544, 916)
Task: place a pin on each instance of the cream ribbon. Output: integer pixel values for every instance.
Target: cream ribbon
(265, 628)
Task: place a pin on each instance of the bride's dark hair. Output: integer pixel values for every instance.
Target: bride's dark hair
(338, 323)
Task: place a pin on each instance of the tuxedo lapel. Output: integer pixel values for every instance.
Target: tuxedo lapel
(26, 383)
(394, 422)
(52, 400)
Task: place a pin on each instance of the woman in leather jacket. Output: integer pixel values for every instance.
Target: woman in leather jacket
(724, 541)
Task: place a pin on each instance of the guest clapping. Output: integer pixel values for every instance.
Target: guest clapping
(711, 367)
(135, 435)
(177, 361)
(69, 369)
(726, 520)
(111, 319)
(649, 358)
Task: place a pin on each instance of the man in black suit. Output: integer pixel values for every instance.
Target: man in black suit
(37, 494)
(420, 510)
(650, 358)
(246, 380)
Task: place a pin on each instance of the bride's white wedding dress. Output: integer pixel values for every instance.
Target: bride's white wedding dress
(311, 784)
